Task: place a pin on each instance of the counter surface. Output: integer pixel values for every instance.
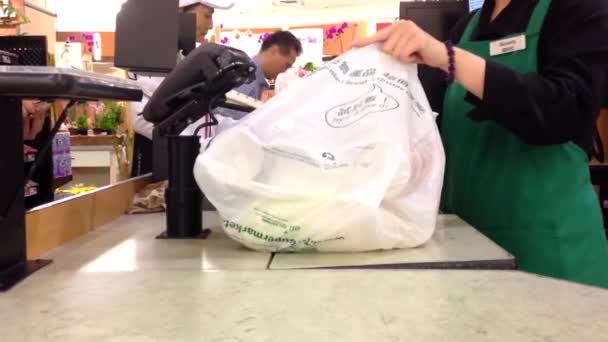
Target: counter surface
(129, 244)
(455, 245)
(118, 283)
(333, 305)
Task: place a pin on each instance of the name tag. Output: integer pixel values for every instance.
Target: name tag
(508, 45)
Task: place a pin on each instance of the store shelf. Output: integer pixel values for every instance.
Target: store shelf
(93, 140)
(59, 182)
(29, 158)
(31, 189)
(29, 154)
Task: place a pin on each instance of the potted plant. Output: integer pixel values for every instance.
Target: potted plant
(100, 131)
(10, 17)
(106, 124)
(310, 66)
(82, 125)
(110, 119)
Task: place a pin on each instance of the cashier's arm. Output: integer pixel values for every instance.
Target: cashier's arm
(410, 44)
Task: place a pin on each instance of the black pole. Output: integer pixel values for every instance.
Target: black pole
(183, 197)
(14, 265)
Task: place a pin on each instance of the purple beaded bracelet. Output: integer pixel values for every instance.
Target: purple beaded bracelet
(452, 61)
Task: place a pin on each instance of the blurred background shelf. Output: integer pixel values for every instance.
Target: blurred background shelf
(59, 182)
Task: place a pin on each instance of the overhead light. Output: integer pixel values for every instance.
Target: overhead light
(288, 2)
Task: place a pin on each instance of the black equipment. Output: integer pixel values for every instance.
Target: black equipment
(44, 83)
(149, 35)
(437, 18)
(198, 84)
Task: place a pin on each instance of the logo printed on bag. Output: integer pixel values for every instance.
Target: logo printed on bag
(307, 159)
(403, 84)
(341, 72)
(374, 101)
(328, 156)
(395, 81)
(279, 243)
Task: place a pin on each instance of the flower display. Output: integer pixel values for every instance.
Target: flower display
(303, 73)
(263, 37)
(336, 31)
(89, 38)
(88, 41)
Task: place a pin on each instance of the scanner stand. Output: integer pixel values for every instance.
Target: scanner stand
(197, 85)
(183, 197)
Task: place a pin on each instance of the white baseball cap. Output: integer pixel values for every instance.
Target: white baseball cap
(219, 4)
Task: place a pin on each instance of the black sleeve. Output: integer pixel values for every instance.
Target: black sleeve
(561, 101)
(605, 97)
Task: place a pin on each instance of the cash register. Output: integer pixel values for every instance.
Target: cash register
(46, 84)
(203, 80)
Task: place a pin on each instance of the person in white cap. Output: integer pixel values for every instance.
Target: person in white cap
(203, 9)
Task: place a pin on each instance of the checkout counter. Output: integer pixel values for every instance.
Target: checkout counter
(118, 282)
(45, 83)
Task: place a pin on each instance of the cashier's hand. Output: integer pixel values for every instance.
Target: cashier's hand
(410, 44)
(34, 112)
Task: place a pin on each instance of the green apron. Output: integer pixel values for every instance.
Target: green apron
(535, 201)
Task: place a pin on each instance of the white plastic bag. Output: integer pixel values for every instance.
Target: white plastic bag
(285, 79)
(288, 78)
(348, 159)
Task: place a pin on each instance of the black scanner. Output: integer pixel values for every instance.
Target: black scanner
(204, 76)
(196, 85)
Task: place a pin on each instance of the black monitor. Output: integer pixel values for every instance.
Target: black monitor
(149, 35)
(437, 18)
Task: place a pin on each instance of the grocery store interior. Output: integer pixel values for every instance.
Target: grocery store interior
(303, 170)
